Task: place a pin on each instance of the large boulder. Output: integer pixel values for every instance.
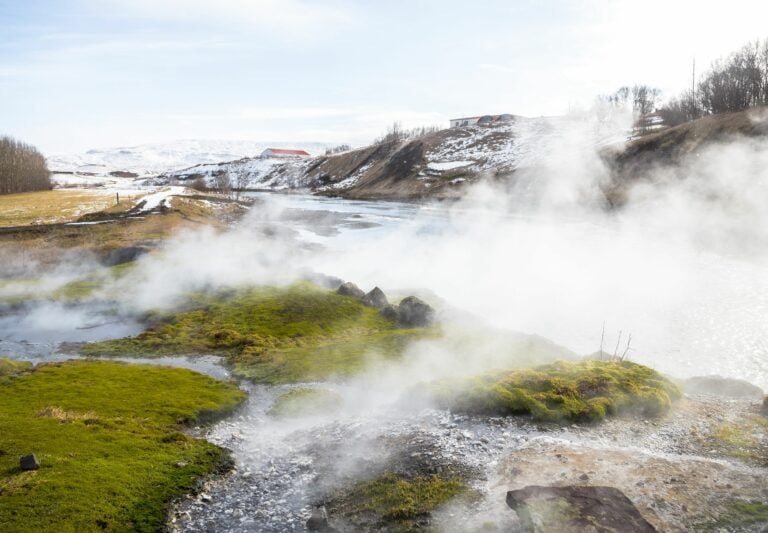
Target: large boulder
(414, 313)
(375, 298)
(724, 387)
(389, 312)
(350, 289)
(29, 462)
(576, 508)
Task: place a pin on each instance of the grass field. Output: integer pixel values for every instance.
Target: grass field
(48, 207)
(109, 441)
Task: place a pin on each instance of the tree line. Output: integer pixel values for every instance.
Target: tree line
(734, 83)
(22, 167)
(396, 133)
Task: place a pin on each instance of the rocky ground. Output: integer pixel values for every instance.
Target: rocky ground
(680, 472)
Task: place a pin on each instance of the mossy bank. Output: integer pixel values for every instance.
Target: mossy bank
(109, 441)
(564, 391)
(272, 335)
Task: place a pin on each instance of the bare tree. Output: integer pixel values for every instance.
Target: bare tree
(222, 182)
(22, 167)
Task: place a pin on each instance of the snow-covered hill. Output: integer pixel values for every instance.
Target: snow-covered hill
(156, 158)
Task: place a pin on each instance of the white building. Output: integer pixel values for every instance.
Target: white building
(482, 120)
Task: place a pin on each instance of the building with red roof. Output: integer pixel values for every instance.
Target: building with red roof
(283, 153)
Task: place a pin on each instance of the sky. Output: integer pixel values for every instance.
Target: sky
(81, 74)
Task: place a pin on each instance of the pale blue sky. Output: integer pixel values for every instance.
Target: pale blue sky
(76, 74)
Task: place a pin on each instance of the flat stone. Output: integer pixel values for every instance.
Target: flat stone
(29, 462)
(576, 508)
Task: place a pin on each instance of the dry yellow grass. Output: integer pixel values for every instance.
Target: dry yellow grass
(48, 207)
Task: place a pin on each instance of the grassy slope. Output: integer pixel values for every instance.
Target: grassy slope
(586, 390)
(273, 335)
(107, 436)
(46, 207)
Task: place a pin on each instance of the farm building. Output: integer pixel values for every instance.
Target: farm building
(283, 153)
(482, 120)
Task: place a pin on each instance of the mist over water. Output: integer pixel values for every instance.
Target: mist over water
(681, 268)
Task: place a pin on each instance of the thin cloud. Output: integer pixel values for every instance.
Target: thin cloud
(296, 18)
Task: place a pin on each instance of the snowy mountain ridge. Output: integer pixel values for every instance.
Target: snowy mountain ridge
(151, 159)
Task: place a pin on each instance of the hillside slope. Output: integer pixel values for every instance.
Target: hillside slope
(436, 165)
(524, 154)
(672, 148)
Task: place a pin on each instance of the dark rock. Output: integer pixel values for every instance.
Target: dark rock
(413, 312)
(724, 387)
(576, 508)
(119, 256)
(389, 312)
(29, 462)
(376, 298)
(350, 289)
(319, 520)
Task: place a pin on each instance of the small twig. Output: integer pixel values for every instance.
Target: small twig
(616, 350)
(602, 339)
(626, 350)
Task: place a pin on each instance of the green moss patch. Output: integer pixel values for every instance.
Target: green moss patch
(272, 335)
(305, 402)
(108, 439)
(586, 390)
(743, 439)
(396, 502)
(742, 516)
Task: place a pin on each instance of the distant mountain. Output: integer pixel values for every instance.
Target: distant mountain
(147, 160)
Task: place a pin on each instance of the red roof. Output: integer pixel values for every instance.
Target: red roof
(284, 151)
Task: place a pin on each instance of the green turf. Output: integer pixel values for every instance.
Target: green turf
(272, 335)
(305, 402)
(108, 437)
(586, 390)
(397, 503)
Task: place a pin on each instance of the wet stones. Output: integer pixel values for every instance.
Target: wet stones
(29, 462)
(411, 313)
(376, 299)
(414, 313)
(350, 289)
(576, 508)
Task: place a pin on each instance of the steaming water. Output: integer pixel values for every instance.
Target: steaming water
(691, 311)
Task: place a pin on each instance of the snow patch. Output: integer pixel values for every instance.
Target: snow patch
(448, 165)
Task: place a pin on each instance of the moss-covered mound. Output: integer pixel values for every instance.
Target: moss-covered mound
(273, 335)
(108, 441)
(394, 502)
(586, 390)
(305, 402)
